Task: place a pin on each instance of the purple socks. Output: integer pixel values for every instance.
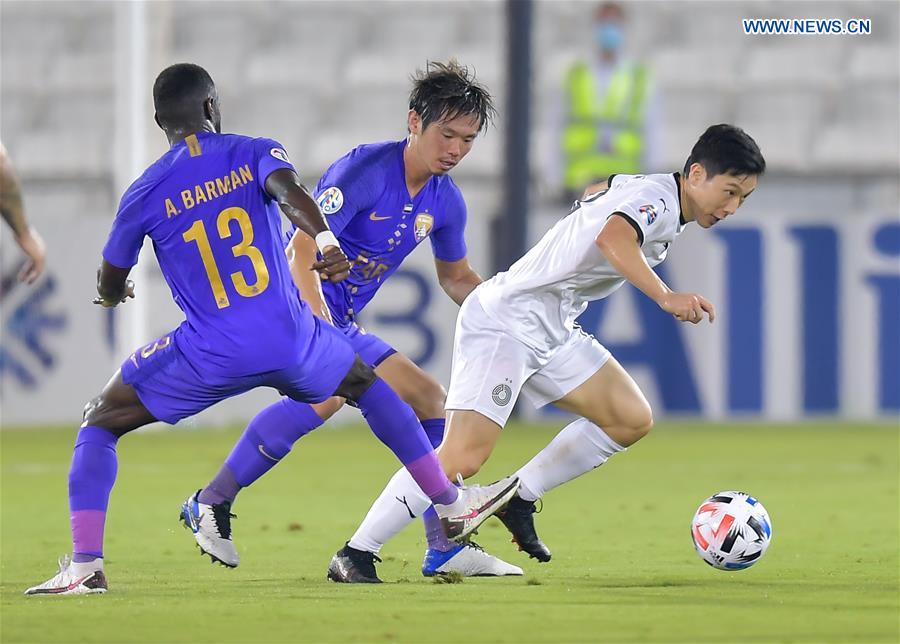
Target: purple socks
(91, 478)
(395, 424)
(434, 532)
(267, 439)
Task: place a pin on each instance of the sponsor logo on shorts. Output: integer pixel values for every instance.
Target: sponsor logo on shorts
(502, 394)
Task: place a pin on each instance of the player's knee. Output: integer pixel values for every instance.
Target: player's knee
(466, 462)
(88, 408)
(95, 410)
(464, 467)
(638, 422)
(357, 381)
(328, 408)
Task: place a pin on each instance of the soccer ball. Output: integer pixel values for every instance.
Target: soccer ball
(731, 530)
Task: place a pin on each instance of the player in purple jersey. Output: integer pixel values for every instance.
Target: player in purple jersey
(382, 200)
(211, 206)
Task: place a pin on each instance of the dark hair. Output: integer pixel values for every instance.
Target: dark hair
(179, 93)
(447, 91)
(726, 149)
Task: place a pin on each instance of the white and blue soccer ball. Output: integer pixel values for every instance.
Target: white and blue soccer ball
(731, 530)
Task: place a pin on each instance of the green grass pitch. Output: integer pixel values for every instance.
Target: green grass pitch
(623, 565)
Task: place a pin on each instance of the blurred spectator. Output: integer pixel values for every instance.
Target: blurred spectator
(13, 213)
(608, 119)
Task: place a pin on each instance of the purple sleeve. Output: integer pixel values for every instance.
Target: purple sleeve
(272, 157)
(347, 188)
(127, 235)
(448, 242)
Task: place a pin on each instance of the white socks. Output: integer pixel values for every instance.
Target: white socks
(580, 447)
(401, 501)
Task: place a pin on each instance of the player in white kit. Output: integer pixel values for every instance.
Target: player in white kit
(516, 333)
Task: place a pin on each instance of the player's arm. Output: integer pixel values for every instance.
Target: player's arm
(620, 244)
(113, 285)
(301, 255)
(301, 209)
(13, 212)
(458, 278)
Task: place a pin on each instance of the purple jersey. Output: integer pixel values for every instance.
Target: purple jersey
(364, 196)
(217, 237)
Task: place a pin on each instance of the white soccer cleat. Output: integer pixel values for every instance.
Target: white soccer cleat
(475, 504)
(211, 525)
(73, 579)
(467, 559)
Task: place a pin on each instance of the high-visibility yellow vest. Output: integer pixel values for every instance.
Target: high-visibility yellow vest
(603, 137)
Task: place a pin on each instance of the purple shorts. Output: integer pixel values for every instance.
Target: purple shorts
(173, 387)
(372, 349)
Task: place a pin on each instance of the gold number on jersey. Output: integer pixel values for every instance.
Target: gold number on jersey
(245, 248)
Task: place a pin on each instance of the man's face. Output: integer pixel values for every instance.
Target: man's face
(443, 143)
(720, 196)
(609, 29)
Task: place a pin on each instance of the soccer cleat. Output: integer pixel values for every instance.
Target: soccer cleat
(211, 525)
(468, 559)
(518, 517)
(474, 505)
(73, 579)
(352, 566)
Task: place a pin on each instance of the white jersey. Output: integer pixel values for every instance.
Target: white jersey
(539, 297)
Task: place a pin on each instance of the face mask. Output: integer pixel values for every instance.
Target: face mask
(609, 36)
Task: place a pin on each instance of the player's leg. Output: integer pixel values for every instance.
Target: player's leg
(403, 500)
(271, 434)
(395, 424)
(114, 412)
(268, 438)
(614, 414)
(426, 396)
(479, 351)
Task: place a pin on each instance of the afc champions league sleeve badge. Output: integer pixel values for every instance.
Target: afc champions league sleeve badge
(331, 200)
(424, 224)
(280, 154)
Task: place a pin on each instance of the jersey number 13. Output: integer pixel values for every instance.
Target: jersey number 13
(197, 233)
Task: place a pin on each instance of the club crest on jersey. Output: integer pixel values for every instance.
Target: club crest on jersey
(424, 224)
(331, 200)
(649, 212)
(279, 154)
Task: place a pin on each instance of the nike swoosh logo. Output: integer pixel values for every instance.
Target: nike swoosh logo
(470, 515)
(268, 456)
(375, 217)
(61, 589)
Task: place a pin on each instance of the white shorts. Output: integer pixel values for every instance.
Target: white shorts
(490, 367)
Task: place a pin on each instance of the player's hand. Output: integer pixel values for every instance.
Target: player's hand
(33, 246)
(108, 304)
(334, 265)
(687, 307)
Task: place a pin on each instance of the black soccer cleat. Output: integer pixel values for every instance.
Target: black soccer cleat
(352, 566)
(518, 517)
